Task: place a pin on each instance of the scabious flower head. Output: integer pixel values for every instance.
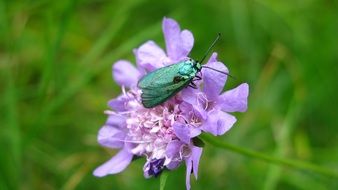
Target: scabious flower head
(163, 134)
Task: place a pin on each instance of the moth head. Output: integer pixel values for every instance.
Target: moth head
(196, 64)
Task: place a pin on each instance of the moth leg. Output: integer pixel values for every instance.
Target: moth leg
(193, 85)
(197, 78)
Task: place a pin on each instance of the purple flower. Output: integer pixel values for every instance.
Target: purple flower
(164, 134)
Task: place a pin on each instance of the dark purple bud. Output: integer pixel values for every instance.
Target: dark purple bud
(155, 167)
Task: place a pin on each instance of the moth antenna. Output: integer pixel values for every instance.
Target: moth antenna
(218, 71)
(209, 49)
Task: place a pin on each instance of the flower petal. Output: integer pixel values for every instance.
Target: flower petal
(115, 119)
(214, 81)
(213, 58)
(187, 42)
(188, 163)
(173, 154)
(111, 137)
(125, 74)
(235, 100)
(173, 165)
(150, 56)
(173, 148)
(185, 132)
(218, 122)
(195, 99)
(119, 103)
(196, 153)
(115, 165)
(178, 44)
(192, 163)
(189, 95)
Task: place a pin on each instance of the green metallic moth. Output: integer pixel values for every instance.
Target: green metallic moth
(163, 83)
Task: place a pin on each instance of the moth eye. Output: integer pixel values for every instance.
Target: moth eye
(177, 79)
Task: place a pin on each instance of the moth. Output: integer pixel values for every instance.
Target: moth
(161, 84)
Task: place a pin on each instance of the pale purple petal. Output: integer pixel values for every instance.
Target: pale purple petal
(185, 132)
(150, 56)
(173, 153)
(173, 165)
(111, 137)
(213, 58)
(192, 111)
(116, 120)
(171, 31)
(192, 163)
(188, 163)
(173, 148)
(218, 122)
(115, 165)
(196, 153)
(186, 108)
(195, 98)
(189, 95)
(125, 74)
(187, 42)
(178, 44)
(118, 104)
(235, 100)
(214, 81)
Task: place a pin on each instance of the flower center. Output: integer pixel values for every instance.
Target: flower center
(149, 130)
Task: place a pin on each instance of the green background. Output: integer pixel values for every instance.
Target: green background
(55, 81)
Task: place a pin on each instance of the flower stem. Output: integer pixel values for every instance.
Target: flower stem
(288, 162)
(163, 179)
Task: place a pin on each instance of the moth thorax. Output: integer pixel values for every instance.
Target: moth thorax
(188, 68)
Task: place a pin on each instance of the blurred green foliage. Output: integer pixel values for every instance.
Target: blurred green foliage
(55, 80)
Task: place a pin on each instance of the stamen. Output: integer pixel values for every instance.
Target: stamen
(130, 141)
(123, 90)
(109, 112)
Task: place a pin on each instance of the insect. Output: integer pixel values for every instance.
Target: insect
(163, 83)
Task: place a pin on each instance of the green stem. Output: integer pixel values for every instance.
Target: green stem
(288, 162)
(163, 179)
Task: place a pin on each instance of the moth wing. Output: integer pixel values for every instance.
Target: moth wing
(160, 77)
(152, 97)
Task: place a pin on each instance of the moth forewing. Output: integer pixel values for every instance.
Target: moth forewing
(156, 96)
(160, 77)
(161, 84)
